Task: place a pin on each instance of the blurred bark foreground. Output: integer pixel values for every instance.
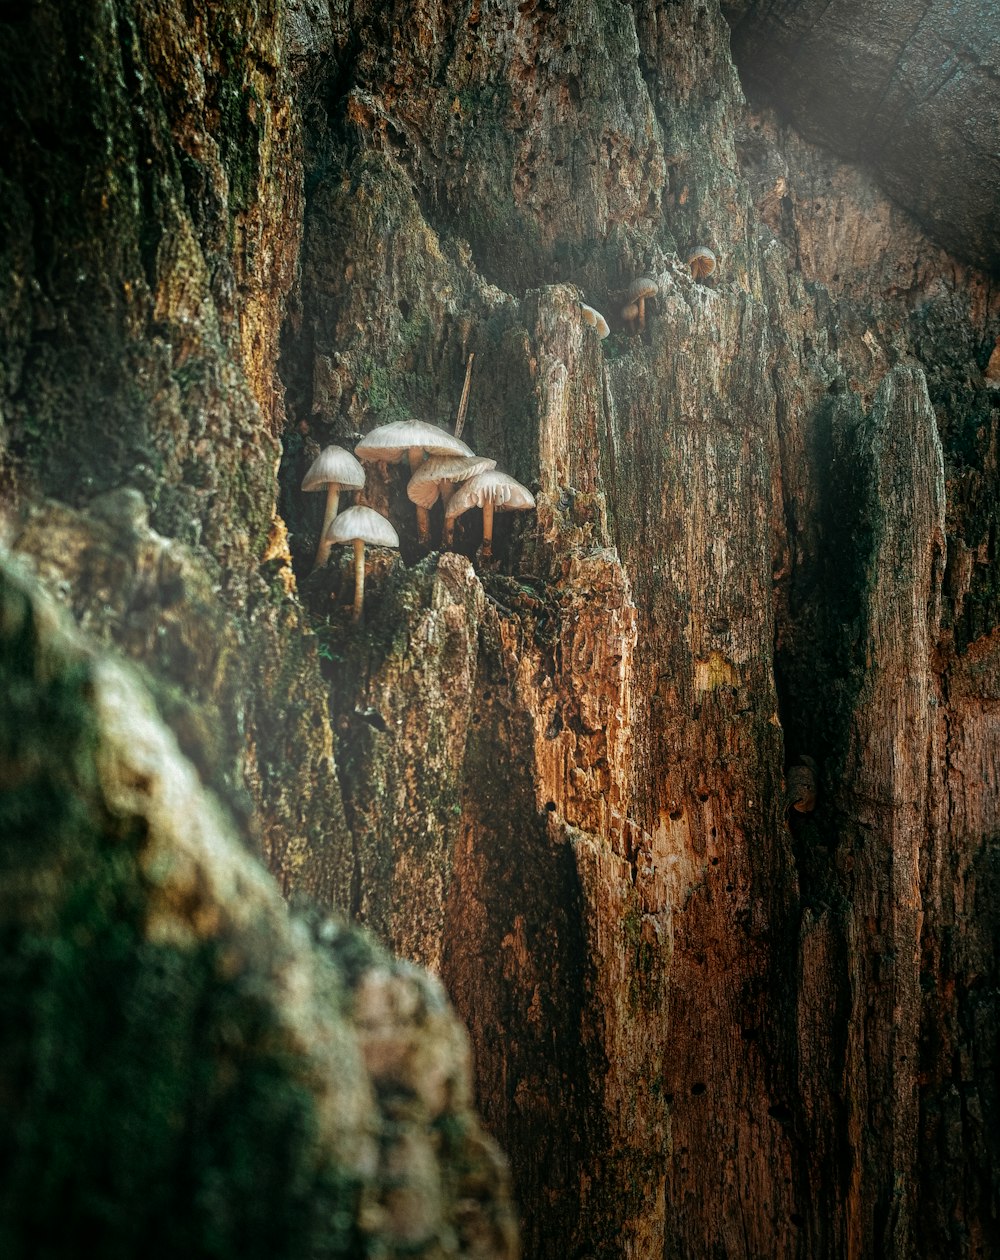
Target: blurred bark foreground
(185, 1069)
(689, 795)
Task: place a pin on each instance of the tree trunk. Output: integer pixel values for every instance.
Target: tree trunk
(704, 1023)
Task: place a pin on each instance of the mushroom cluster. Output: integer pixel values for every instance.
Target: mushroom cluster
(436, 479)
(439, 464)
(415, 441)
(335, 470)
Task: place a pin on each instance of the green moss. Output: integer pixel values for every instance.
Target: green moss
(632, 926)
(157, 1106)
(378, 392)
(239, 106)
(154, 1102)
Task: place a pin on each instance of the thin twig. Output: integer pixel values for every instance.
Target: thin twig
(463, 405)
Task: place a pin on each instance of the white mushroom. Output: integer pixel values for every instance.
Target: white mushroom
(360, 525)
(595, 319)
(437, 478)
(414, 440)
(491, 491)
(333, 470)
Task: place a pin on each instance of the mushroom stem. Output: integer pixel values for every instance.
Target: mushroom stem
(487, 529)
(329, 516)
(359, 578)
(448, 528)
(642, 314)
(416, 456)
(464, 404)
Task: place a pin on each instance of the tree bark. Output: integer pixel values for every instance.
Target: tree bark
(703, 1024)
(185, 1069)
(909, 88)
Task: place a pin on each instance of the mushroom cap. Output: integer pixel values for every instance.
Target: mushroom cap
(506, 494)
(424, 488)
(334, 466)
(644, 287)
(390, 443)
(363, 523)
(595, 319)
(702, 261)
(631, 311)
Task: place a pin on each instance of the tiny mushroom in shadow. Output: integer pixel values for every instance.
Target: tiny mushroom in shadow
(635, 300)
(702, 262)
(992, 373)
(333, 470)
(360, 525)
(595, 319)
(436, 479)
(491, 491)
(413, 440)
(800, 793)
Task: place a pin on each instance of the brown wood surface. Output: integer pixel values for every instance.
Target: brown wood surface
(704, 1024)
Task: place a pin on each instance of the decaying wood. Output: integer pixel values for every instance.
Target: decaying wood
(704, 1023)
(174, 1035)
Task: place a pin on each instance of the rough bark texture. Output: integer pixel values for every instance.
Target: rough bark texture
(908, 86)
(185, 1071)
(704, 1024)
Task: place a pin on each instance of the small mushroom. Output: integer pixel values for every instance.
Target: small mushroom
(992, 373)
(333, 470)
(413, 440)
(800, 793)
(491, 491)
(702, 262)
(595, 319)
(437, 478)
(360, 525)
(635, 300)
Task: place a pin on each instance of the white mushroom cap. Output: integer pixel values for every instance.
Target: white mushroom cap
(390, 443)
(424, 488)
(496, 488)
(595, 319)
(363, 524)
(334, 466)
